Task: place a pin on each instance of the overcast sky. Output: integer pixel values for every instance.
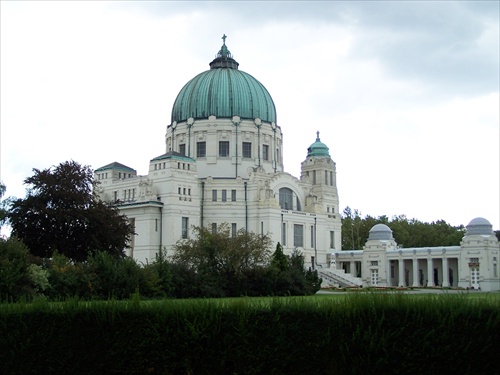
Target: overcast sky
(405, 94)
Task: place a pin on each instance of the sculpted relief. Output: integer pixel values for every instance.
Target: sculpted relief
(146, 190)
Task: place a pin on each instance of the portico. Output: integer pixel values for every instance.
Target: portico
(471, 265)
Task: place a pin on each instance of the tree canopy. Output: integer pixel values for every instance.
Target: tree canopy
(290, 276)
(219, 264)
(3, 209)
(406, 232)
(62, 213)
(221, 253)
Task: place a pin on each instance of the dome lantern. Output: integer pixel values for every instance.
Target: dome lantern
(224, 58)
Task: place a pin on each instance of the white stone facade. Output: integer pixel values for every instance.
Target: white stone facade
(472, 265)
(230, 169)
(195, 185)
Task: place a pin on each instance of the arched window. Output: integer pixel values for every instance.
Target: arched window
(286, 199)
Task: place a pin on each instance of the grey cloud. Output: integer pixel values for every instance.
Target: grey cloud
(437, 43)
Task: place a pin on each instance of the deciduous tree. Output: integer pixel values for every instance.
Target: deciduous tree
(220, 253)
(62, 213)
(3, 209)
(222, 263)
(406, 232)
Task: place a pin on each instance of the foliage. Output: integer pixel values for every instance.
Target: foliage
(69, 279)
(290, 276)
(303, 281)
(221, 261)
(219, 265)
(3, 209)
(39, 277)
(115, 277)
(279, 260)
(354, 229)
(104, 276)
(360, 333)
(185, 282)
(15, 280)
(212, 265)
(156, 278)
(62, 213)
(221, 253)
(406, 232)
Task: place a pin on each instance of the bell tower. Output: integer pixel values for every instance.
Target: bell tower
(318, 173)
(319, 170)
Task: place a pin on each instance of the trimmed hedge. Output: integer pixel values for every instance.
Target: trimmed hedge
(351, 334)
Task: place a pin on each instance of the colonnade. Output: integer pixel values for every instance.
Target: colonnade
(429, 272)
(403, 268)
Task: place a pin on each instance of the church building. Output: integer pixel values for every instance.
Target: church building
(223, 164)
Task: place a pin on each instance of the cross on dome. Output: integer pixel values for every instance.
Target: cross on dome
(224, 52)
(224, 59)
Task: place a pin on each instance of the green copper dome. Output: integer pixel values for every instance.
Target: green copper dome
(318, 148)
(224, 92)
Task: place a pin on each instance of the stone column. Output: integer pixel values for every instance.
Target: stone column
(415, 272)
(430, 272)
(388, 272)
(401, 269)
(352, 268)
(446, 277)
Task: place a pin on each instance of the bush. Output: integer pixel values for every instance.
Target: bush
(218, 261)
(289, 275)
(156, 278)
(353, 334)
(15, 281)
(185, 282)
(70, 279)
(104, 276)
(38, 277)
(116, 277)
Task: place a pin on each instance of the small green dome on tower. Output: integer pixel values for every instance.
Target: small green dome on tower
(224, 92)
(318, 148)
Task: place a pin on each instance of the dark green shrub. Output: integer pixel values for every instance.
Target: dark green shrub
(117, 277)
(38, 278)
(185, 281)
(70, 279)
(258, 281)
(157, 278)
(291, 278)
(352, 334)
(150, 283)
(15, 281)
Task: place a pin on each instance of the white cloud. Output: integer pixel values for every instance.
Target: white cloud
(406, 96)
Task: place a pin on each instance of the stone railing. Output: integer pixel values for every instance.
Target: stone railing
(334, 277)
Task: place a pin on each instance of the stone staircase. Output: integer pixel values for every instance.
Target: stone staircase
(338, 278)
